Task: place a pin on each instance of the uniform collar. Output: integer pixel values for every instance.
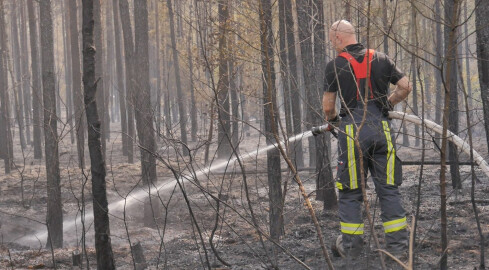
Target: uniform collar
(355, 48)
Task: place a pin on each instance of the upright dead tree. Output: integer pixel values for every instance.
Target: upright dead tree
(324, 183)
(120, 87)
(77, 84)
(293, 77)
(182, 112)
(54, 205)
(125, 21)
(17, 74)
(271, 117)
(305, 20)
(193, 107)
(103, 246)
(25, 74)
(450, 52)
(6, 144)
(99, 72)
(452, 16)
(481, 22)
(224, 149)
(142, 101)
(36, 80)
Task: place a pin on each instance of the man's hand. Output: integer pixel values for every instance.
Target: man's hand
(332, 123)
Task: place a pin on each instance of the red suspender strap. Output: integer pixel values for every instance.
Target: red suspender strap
(361, 69)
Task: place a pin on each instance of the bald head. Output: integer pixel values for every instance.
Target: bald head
(342, 34)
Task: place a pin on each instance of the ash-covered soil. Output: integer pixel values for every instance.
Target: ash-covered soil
(179, 240)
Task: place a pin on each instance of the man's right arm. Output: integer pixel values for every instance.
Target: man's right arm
(402, 90)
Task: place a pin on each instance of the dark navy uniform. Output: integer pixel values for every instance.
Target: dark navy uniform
(355, 74)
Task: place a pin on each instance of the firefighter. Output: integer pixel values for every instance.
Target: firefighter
(361, 78)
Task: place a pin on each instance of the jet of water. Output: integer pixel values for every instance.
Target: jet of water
(140, 195)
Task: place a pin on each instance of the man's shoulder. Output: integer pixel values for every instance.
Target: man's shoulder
(338, 61)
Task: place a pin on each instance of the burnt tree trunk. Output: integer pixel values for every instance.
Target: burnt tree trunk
(468, 55)
(79, 112)
(271, 117)
(103, 246)
(99, 73)
(6, 145)
(481, 21)
(17, 75)
(451, 84)
(193, 107)
(36, 81)
(144, 113)
(54, 204)
(224, 149)
(294, 84)
(125, 20)
(158, 72)
(26, 79)
(325, 183)
(305, 17)
(181, 100)
(120, 87)
(438, 58)
(68, 71)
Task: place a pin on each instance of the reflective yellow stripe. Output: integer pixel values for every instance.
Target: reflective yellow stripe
(351, 228)
(391, 154)
(352, 165)
(395, 225)
(339, 185)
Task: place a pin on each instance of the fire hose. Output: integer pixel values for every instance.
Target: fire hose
(430, 125)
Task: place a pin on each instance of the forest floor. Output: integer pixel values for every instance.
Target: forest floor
(175, 242)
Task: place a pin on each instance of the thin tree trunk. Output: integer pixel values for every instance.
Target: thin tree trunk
(79, 112)
(99, 73)
(467, 55)
(325, 183)
(158, 71)
(193, 107)
(68, 72)
(294, 84)
(181, 101)
(451, 84)
(36, 81)
(451, 17)
(144, 113)
(103, 246)
(54, 205)
(270, 117)
(305, 17)
(6, 145)
(26, 79)
(284, 74)
(437, 69)
(121, 90)
(125, 20)
(481, 21)
(414, 73)
(17, 74)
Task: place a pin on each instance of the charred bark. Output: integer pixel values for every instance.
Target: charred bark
(79, 112)
(103, 246)
(120, 87)
(54, 205)
(181, 100)
(271, 117)
(144, 113)
(36, 81)
(125, 20)
(481, 20)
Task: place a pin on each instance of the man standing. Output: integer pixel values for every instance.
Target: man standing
(361, 77)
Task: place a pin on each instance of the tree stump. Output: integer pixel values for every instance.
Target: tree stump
(138, 254)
